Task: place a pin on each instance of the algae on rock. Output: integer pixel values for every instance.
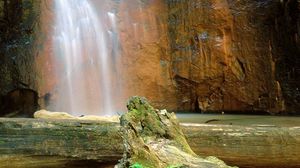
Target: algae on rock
(154, 139)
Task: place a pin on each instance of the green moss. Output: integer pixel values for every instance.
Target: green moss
(136, 165)
(144, 130)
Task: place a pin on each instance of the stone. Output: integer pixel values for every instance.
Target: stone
(17, 62)
(154, 139)
(19, 103)
(199, 55)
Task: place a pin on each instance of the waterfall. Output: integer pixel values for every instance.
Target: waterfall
(86, 75)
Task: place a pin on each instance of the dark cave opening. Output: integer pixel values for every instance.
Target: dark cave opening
(19, 103)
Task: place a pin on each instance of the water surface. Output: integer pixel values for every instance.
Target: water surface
(246, 120)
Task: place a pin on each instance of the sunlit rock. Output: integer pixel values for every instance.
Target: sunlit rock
(44, 114)
(201, 55)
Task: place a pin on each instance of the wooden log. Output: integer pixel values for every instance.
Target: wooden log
(246, 146)
(66, 141)
(58, 140)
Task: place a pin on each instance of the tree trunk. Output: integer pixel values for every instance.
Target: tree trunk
(72, 141)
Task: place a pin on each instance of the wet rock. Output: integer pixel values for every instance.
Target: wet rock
(17, 55)
(153, 139)
(19, 103)
(200, 55)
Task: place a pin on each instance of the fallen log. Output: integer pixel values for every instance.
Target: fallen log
(70, 141)
(247, 146)
(58, 140)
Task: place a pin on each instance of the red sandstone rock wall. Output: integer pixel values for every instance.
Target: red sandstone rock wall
(144, 46)
(222, 48)
(46, 75)
(190, 55)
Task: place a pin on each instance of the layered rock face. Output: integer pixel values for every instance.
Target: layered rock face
(189, 55)
(18, 22)
(285, 52)
(212, 55)
(139, 42)
(221, 54)
(145, 54)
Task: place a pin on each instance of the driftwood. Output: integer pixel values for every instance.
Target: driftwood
(247, 146)
(74, 140)
(62, 142)
(154, 139)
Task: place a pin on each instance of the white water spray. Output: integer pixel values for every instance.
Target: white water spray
(81, 50)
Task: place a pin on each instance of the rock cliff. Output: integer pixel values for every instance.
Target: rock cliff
(189, 55)
(19, 20)
(212, 55)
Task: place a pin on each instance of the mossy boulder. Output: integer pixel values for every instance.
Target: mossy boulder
(154, 139)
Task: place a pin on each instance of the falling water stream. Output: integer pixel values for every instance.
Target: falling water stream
(81, 50)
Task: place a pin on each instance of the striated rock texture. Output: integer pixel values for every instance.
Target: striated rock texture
(210, 55)
(222, 56)
(188, 55)
(19, 20)
(285, 47)
(202, 55)
(153, 139)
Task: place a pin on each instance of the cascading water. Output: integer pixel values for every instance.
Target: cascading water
(81, 50)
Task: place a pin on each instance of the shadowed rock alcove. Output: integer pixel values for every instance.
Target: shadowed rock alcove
(19, 103)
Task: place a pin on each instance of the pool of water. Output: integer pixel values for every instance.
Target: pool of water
(246, 120)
